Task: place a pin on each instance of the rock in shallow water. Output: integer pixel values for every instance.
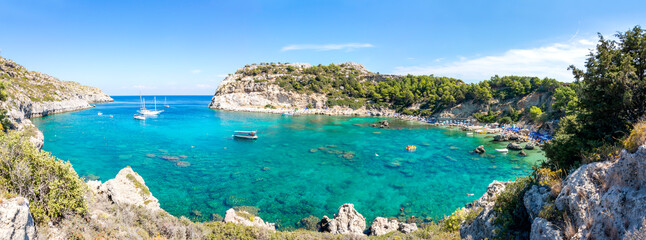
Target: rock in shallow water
(479, 149)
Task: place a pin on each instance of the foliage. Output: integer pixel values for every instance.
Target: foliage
(511, 215)
(490, 117)
(51, 185)
(270, 106)
(535, 113)
(551, 213)
(565, 99)
(611, 92)
(453, 222)
(637, 137)
(548, 177)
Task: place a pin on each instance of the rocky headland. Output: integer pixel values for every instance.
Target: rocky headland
(34, 94)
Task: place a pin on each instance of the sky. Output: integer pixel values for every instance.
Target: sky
(188, 47)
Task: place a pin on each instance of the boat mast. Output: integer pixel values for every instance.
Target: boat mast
(155, 98)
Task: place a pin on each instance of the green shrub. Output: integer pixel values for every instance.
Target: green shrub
(270, 106)
(535, 113)
(505, 120)
(511, 214)
(453, 222)
(51, 185)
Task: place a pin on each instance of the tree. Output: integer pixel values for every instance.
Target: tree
(564, 98)
(535, 113)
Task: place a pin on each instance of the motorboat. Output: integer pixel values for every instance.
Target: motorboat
(140, 117)
(246, 135)
(502, 150)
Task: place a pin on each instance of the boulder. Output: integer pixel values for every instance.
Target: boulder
(480, 149)
(16, 222)
(530, 146)
(500, 138)
(544, 230)
(534, 200)
(381, 226)
(128, 188)
(346, 221)
(483, 225)
(606, 199)
(522, 153)
(514, 146)
(247, 219)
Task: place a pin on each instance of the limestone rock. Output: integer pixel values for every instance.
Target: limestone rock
(534, 200)
(483, 225)
(514, 146)
(544, 230)
(522, 153)
(501, 138)
(247, 219)
(129, 188)
(480, 149)
(381, 226)
(606, 199)
(530, 146)
(346, 221)
(16, 222)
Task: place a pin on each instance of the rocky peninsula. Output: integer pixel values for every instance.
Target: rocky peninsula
(34, 94)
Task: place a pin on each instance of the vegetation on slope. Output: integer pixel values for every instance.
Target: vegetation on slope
(346, 85)
(608, 98)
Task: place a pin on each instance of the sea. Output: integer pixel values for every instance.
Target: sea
(300, 166)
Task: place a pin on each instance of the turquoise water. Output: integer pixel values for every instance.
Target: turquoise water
(299, 166)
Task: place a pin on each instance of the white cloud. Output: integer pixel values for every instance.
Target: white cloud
(222, 75)
(142, 87)
(327, 47)
(546, 61)
(196, 71)
(204, 86)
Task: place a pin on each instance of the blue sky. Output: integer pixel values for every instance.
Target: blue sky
(187, 47)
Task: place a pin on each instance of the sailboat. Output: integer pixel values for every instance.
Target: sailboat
(165, 105)
(144, 111)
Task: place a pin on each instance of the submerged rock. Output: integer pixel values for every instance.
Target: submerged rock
(346, 221)
(247, 219)
(170, 158)
(183, 164)
(381, 226)
(480, 149)
(522, 153)
(16, 222)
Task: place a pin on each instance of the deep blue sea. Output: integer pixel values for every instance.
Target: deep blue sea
(299, 166)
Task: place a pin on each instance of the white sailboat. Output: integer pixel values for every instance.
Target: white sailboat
(145, 111)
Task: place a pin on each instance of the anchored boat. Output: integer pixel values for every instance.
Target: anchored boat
(246, 135)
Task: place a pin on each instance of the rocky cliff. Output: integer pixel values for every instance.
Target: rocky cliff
(601, 200)
(34, 94)
(256, 86)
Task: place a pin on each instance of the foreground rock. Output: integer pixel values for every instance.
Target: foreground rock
(483, 226)
(16, 222)
(535, 199)
(544, 230)
(381, 226)
(346, 221)
(247, 219)
(127, 188)
(606, 199)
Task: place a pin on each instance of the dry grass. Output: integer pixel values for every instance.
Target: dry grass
(568, 229)
(637, 137)
(637, 234)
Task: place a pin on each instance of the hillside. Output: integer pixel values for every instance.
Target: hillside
(30, 94)
(350, 89)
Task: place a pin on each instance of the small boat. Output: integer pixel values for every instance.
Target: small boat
(411, 148)
(502, 150)
(140, 117)
(469, 133)
(246, 135)
(165, 105)
(288, 114)
(99, 113)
